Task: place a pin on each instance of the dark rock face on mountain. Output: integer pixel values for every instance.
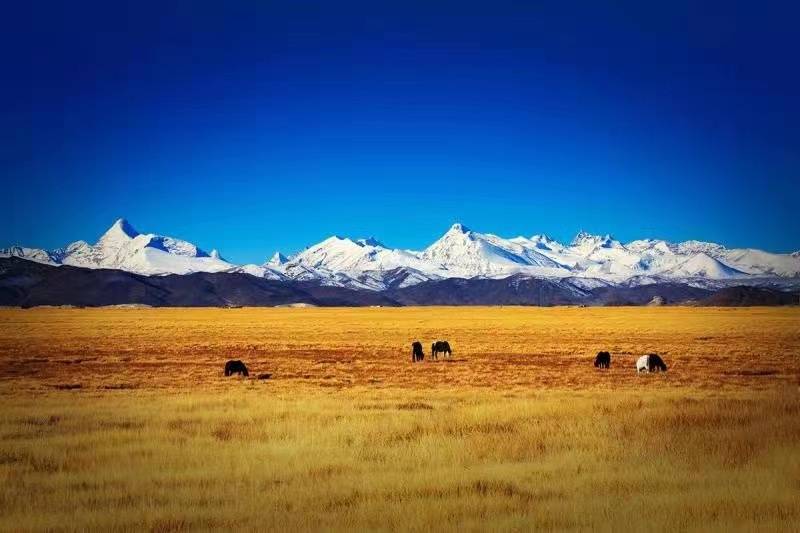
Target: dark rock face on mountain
(743, 296)
(27, 283)
(515, 290)
(669, 293)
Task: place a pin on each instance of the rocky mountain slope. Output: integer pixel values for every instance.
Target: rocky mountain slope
(26, 283)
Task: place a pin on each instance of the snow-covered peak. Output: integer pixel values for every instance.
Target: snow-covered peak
(172, 245)
(467, 253)
(545, 242)
(112, 242)
(277, 260)
(353, 258)
(759, 262)
(705, 266)
(124, 248)
(696, 247)
(31, 254)
(458, 228)
(121, 230)
(588, 241)
(76, 246)
(214, 254)
(580, 237)
(370, 241)
(650, 245)
(333, 244)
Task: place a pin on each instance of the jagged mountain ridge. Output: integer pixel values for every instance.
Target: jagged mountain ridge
(461, 253)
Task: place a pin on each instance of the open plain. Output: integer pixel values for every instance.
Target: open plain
(119, 419)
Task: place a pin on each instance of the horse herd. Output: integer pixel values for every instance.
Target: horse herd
(438, 347)
(646, 363)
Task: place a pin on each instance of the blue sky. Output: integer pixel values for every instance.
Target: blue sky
(257, 126)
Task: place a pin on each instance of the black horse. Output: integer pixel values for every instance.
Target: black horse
(442, 347)
(236, 367)
(603, 360)
(416, 352)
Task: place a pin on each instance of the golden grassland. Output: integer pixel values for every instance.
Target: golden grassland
(119, 419)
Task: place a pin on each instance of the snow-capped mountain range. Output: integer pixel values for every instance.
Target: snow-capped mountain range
(588, 261)
(124, 248)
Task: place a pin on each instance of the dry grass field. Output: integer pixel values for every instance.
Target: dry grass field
(120, 419)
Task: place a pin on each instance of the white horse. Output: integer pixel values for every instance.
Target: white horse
(650, 363)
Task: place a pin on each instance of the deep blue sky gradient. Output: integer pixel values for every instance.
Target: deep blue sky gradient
(255, 126)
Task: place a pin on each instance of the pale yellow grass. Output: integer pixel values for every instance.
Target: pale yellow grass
(518, 432)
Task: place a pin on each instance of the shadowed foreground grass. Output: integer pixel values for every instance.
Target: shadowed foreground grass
(400, 460)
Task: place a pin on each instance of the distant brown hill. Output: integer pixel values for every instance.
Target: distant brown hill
(26, 283)
(742, 296)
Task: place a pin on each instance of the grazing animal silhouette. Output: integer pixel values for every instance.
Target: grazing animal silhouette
(416, 352)
(650, 363)
(442, 347)
(236, 367)
(603, 360)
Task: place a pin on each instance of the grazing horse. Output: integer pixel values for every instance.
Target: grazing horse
(236, 367)
(650, 363)
(603, 360)
(416, 352)
(442, 347)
